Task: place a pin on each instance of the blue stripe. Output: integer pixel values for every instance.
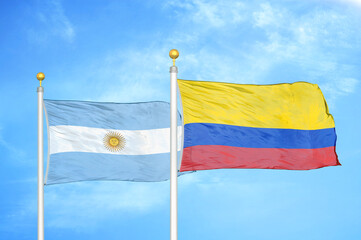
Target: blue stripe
(125, 116)
(79, 166)
(237, 136)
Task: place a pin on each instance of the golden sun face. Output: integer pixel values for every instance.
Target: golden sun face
(114, 141)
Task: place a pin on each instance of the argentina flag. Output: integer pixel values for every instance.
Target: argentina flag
(108, 141)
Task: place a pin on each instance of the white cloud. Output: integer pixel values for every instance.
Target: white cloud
(267, 16)
(352, 2)
(348, 85)
(84, 205)
(338, 87)
(216, 186)
(210, 13)
(52, 22)
(314, 43)
(135, 75)
(310, 41)
(13, 150)
(214, 46)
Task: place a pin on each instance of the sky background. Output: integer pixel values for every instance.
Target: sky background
(118, 51)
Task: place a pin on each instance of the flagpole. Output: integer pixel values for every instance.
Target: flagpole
(40, 76)
(173, 148)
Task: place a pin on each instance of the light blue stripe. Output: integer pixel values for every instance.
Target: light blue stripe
(79, 166)
(124, 116)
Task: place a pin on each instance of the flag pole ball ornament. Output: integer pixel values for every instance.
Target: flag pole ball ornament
(40, 76)
(173, 54)
(114, 141)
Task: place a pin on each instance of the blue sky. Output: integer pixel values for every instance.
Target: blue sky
(118, 51)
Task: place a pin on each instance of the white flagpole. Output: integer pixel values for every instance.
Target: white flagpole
(173, 148)
(40, 76)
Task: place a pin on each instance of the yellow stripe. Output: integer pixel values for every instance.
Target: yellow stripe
(299, 105)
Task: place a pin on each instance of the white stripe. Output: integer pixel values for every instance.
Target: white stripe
(65, 138)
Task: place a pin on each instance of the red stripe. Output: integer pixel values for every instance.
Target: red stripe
(205, 157)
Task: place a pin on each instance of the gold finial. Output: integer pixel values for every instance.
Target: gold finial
(173, 54)
(40, 76)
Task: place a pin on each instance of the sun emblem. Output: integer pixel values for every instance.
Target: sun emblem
(114, 141)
